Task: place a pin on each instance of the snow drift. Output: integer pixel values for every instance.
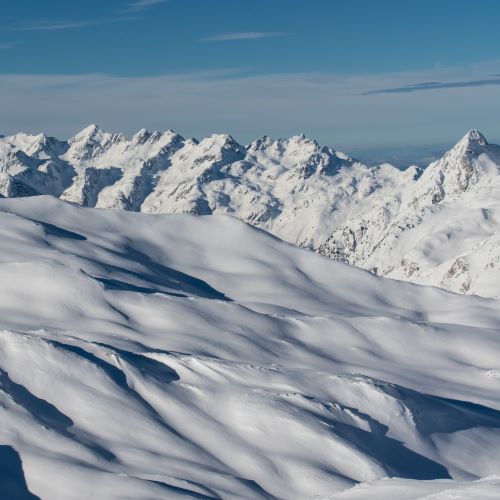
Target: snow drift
(172, 356)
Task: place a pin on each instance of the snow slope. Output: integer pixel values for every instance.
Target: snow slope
(441, 229)
(172, 356)
(439, 226)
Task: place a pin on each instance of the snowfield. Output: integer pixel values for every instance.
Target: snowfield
(171, 356)
(437, 226)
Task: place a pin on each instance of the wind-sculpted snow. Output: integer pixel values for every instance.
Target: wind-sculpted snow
(172, 356)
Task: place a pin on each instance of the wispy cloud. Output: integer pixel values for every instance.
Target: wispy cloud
(126, 14)
(416, 87)
(8, 45)
(329, 107)
(56, 25)
(139, 5)
(243, 35)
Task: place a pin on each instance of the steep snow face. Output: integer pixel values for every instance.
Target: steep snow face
(470, 161)
(115, 171)
(182, 187)
(31, 164)
(442, 229)
(438, 226)
(172, 356)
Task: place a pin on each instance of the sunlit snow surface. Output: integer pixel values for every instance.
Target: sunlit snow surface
(435, 226)
(173, 356)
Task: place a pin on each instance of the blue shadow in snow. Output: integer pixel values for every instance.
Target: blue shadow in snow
(12, 481)
(430, 414)
(158, 277)
(52, 230)
(48, 415)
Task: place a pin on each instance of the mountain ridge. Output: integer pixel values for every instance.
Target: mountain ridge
(394, 222)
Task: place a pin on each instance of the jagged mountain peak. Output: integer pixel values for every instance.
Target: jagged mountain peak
(300, 152)
(461, 168)
(90, 132)
(217, 147)
(226, 141)
(473, 138)
(146, 138)
(40, 146)
(49, 145)
(141, 136)
(295, 188)
(93, 141)
(472, 144)
(261, 143)
(167, 133)
(301, 139)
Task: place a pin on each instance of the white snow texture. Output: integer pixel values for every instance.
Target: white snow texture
(149, 356)
(439, 226)
(171, 356)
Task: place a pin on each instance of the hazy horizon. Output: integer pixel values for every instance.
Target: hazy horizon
(360, 77)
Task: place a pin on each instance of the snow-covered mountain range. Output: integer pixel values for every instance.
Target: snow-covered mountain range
(439, 225)
(151, 356)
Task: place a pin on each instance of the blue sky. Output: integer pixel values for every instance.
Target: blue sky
(360, 75)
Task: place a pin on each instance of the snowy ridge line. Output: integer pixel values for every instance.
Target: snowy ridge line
(198, 357)
(437, 226)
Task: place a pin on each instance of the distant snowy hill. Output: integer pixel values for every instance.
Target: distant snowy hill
(439, 226)
(170, 356)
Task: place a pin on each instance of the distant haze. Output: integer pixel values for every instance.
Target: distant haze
(349, 74)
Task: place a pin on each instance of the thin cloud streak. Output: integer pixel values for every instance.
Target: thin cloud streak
(328, 107)
(139, 5)
(416, 87)
(122, 16)
(244, 35)
(67, 24)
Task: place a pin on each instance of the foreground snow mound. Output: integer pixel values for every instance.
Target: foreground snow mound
(154, 356)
